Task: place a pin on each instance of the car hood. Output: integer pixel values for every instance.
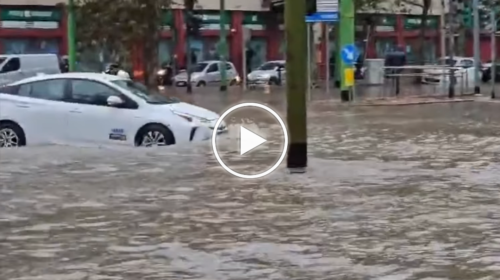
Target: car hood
(192, 111)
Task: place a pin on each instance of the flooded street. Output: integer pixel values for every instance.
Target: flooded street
(391, 193)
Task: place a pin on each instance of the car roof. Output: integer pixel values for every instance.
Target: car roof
(71, 75)
(276, 61)
(213, 61)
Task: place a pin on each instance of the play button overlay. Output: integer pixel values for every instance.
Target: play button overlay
(256, 143)
(249, 140)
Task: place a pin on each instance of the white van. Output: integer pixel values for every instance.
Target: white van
(17, 67)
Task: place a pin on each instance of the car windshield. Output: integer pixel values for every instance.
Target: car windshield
(199, 67)
(447, 61)
(141, 91)
(268, 66)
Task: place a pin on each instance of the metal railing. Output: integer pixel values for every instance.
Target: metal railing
(415, 80)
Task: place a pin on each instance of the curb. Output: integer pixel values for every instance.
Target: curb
(415, 102)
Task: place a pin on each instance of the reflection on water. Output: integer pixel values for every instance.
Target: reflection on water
(391, 193)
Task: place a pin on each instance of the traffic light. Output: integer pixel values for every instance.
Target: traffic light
(193, 24)
(310, 7)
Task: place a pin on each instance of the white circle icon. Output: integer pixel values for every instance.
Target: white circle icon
(250, 140)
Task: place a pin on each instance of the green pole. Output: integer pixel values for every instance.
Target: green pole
(222, 46)
(296, 85)
(71, 36)
(346, 37)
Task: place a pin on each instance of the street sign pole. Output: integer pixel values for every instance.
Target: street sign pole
(71, 36)
(327, 58)
(346, 32)
(308, 62)
(246, 37)
(326, 11)
(493, 51)
(476, 37)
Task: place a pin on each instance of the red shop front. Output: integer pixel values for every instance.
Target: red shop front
(32, 29)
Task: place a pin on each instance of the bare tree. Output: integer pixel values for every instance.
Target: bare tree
(425, 6)
(120, 26)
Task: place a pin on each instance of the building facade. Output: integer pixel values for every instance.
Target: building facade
(35, 26)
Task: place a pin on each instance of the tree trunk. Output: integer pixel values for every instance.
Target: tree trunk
(150, 55)
(422, 35)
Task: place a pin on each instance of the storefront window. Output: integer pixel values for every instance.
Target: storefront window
(30, 46)
(205, 49)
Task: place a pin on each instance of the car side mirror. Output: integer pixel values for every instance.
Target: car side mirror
(114, 100)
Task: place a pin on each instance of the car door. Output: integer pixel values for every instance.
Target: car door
(466, 78)
(40, 109)
(213, 73)
(91, 120)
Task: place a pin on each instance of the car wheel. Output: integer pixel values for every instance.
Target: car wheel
(11, 135)
(201, 84)
(154, 135)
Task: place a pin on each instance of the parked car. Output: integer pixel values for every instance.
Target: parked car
(17, 67)
(97, 108)
(439, 73)
(271, 73)
(207, 73)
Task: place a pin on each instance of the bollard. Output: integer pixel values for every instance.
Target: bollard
(267, 89)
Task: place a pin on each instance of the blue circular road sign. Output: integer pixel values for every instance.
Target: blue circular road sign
(349, 54)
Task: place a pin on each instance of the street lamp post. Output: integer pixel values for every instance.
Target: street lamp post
(222, 46)
(296, 80)
(71, 36)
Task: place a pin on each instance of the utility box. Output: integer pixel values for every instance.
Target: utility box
(374, 71)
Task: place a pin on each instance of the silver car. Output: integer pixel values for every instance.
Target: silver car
(208, 73)
(268, 73)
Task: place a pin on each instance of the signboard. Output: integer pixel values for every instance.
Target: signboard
(349, 77)
(29, 15)
(415, 22)
(30, 18)
(326, 11)
(327, 6)
(349, 54)
(211, 20)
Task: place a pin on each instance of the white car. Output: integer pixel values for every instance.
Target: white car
(97, 108)
(268, 73)
(464, 70)
(207, 73)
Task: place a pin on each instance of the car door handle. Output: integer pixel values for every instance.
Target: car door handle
(75, 111)
(22, 105)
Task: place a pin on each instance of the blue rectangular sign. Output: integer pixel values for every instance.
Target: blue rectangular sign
(323, 17)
